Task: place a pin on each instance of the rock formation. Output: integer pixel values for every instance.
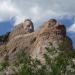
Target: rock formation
(23, 37)
(23, 28)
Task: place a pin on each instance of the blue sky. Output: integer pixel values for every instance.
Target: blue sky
(12, 12)
(6, 25)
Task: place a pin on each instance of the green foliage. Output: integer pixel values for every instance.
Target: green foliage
(60, 63)
(24, 59)
(3, 66)
(29, 66)
(54, 66)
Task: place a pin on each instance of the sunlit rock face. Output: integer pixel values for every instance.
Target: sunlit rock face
(22, 28)
(53, 30)
(23, 37)
(28, 26)
(52, 33)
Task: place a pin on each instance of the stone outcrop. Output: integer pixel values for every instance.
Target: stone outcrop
(24, 37)
(23, 28)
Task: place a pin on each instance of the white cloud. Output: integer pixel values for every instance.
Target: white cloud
(71, 28)
(5, 5)
(35, 9)
(1, 19)
(8, 10)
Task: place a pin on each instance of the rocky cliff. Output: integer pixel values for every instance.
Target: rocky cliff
(23, 37)
(33, 42)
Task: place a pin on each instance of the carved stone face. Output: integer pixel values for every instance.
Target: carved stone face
(28, 26)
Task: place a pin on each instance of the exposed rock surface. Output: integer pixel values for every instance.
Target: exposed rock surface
(23, 37)
(23, 28)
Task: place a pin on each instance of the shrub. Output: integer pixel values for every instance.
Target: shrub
(3, 66)
(55, 66)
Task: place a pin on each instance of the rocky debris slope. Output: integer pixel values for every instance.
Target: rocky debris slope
(34, 43)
